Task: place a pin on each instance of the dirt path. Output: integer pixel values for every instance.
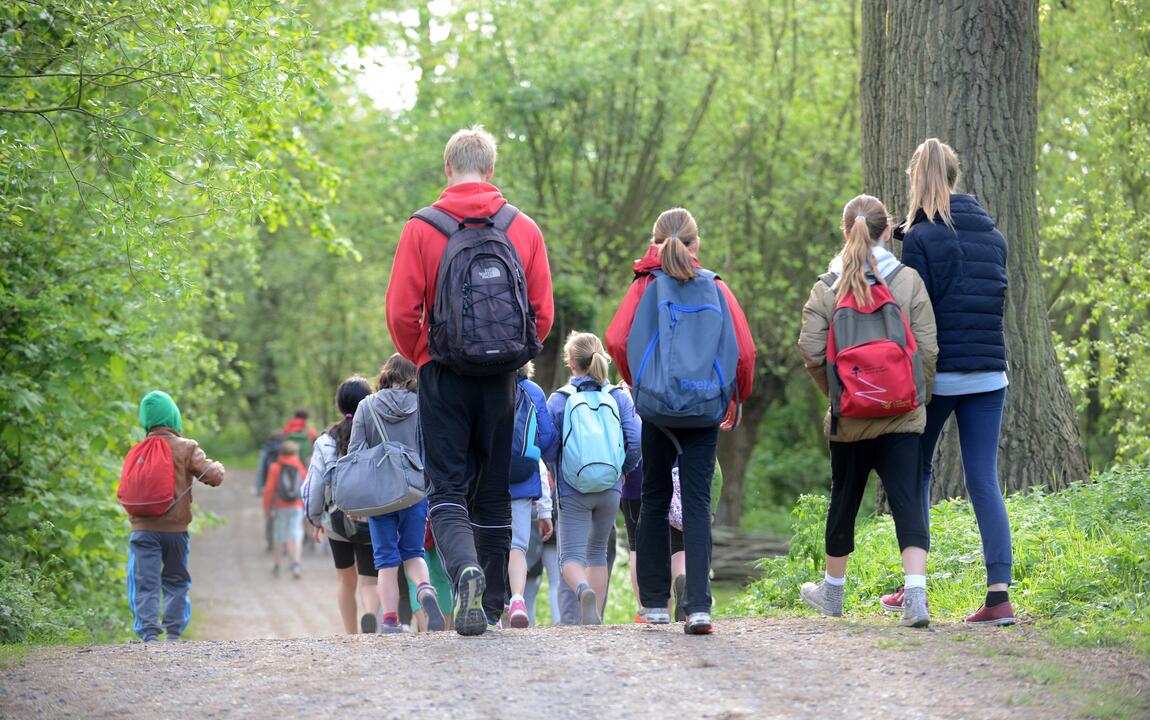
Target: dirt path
(776, 667)
(234, 594)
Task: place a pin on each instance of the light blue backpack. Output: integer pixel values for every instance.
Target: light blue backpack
(593, 451)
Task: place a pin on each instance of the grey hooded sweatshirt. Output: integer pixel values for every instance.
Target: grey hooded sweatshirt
(398, 415)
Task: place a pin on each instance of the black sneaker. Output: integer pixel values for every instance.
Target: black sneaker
(369, 624)
(469, 616)
(679, 596)
(429, 601)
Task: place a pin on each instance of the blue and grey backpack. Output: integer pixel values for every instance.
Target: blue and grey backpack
(481, 322)
(593, 446)
(683, 352)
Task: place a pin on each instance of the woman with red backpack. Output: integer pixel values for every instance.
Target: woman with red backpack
(868, 342)
(682, 343)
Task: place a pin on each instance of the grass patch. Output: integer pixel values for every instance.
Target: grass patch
(1080, 561)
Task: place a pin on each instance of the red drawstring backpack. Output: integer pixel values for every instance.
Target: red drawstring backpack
(148, 479)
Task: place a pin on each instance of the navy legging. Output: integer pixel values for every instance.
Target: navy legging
(979, 417)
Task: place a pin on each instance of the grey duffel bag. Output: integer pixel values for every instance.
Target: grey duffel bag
(380, 479)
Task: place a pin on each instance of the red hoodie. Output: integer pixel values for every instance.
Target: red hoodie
(620, 326)
(414, 273)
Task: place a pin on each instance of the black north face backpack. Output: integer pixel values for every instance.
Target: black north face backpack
(481, 322)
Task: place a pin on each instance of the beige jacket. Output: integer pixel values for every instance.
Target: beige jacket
(910, 293)
(191, 463)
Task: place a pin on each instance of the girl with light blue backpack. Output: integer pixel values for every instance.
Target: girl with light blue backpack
(599, 442)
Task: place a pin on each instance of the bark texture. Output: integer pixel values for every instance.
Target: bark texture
(967, 73)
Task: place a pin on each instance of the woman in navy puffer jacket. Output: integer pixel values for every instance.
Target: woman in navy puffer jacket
(953, 244)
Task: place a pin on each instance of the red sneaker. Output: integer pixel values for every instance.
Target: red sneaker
(893, 601)
(519, 617)
(1001, 614)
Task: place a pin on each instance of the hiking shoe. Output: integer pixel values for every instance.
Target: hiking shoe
(295, 571)
(678, 597)
(369, 623)
(429, 601)
(1000, 614)
(658, 616)
(641, 617)
(589, 608)
(469, 616)
(518, 613)
(389, 629)
(827, 599)
(699, 624)
(915, 613)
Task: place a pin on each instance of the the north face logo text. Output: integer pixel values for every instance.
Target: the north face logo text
(490, 273)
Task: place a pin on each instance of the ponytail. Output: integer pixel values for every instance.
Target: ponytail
(585, 354)
(933, 173)
(676, 234)
(347, 399)
(864, 222)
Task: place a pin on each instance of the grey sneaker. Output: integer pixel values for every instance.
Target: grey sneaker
(658, 616)
(914, 611)
(827, 599)
(699, 623)
(589, 608)
(469, 616)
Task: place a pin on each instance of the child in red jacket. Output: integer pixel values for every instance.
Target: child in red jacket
(283, 499)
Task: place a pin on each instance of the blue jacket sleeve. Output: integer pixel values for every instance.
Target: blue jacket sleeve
(546, 436)
(632, 429)
(914, 256)
(555, 405)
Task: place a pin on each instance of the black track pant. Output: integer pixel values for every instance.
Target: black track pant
(467, 425)
(896, 459)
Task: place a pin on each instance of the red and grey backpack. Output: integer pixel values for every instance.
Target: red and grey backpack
(873, 368)
(148, 479)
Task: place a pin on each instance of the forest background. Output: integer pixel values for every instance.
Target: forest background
(205, 197)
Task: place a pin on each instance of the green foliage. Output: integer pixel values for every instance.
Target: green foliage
(1094, 201)
(1079, 560)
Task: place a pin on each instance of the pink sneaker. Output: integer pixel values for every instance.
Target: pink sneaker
(1000, 614)
(893, 601)
(519, 617)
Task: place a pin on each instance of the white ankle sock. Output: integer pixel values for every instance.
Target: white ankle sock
(914, 581)
(831, 580)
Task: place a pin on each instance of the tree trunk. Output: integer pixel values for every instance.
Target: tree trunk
(967, 73)
(736, 447)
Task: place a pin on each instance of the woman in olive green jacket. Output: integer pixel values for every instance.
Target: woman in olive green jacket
(888, 445)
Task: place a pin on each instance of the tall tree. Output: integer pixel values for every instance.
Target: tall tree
(967, 73)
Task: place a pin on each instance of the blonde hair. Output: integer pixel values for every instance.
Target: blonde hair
(585, 353)
(933, 172)
(676, 233)
(471, 151)
(864, 221)
(526, 371)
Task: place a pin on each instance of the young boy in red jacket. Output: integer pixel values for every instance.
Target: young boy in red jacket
(467, 420)
(283, 500)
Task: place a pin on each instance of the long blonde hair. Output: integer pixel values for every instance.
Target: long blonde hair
(864, 221)
(933, 172)
(676, 233)
(585, 354)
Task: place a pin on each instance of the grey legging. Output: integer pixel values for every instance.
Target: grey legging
(585, 527)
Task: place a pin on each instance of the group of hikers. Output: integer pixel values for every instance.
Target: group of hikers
(485, 466)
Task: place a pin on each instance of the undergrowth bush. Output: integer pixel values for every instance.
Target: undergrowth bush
(1080, 560)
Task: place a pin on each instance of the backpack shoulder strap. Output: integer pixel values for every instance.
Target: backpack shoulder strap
(506, 215)
(567, 390)
(438, 219)
(829, 278)
(891, 275)
(708, 274)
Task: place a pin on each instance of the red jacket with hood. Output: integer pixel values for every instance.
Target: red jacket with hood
(411, 292)
(620, 326)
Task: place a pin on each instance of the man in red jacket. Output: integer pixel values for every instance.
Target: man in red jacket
(467, 421)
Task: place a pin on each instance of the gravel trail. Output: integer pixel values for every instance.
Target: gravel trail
(762, 668)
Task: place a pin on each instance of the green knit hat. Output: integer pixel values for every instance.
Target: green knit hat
(158, 409)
